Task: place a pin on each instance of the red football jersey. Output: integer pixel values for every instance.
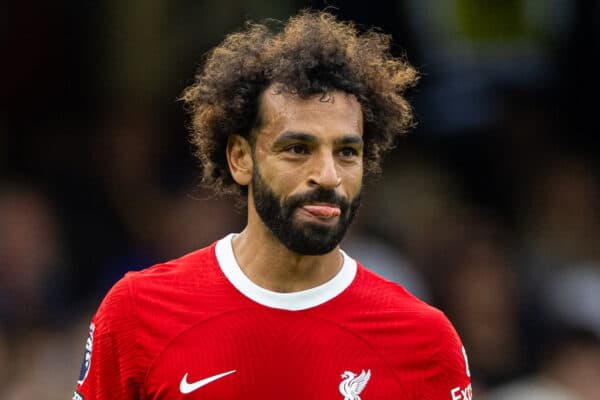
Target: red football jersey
(198, 328)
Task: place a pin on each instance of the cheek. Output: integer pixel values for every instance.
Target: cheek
(353, 181)
(288, 181)
(280, 179)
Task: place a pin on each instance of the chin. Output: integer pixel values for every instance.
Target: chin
(311, 238)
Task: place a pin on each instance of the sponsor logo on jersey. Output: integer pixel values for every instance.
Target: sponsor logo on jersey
(185, 387)
(87, 357)
(77, 396)
(352, 384)
(459, 393)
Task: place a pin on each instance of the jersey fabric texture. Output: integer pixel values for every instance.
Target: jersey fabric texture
(198, 328)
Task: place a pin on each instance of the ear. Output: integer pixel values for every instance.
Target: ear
(239, 158)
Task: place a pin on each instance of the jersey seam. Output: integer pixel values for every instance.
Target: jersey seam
(359, 277)
(164, 348)
(214, 263)
(368, 343)
(137, 346)
(438, 349)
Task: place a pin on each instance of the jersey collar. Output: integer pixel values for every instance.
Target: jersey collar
(293, 301)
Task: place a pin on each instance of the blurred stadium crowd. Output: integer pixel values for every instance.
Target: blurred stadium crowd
(489, 210)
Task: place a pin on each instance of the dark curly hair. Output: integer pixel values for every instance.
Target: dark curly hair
(313, 53)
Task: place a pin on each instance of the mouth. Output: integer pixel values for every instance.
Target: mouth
(322, 211)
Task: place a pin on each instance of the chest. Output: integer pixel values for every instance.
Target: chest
(251, 354)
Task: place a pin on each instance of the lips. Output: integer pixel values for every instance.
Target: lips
(323, 211)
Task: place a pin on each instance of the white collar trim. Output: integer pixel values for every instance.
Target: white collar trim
(293, 301)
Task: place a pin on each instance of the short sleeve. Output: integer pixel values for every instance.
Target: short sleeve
(449, 377)
(109, 370)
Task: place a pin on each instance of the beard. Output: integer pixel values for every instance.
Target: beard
(306, 238)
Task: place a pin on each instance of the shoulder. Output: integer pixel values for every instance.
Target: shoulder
(174, 276)
(199, 260)
(402, 305)
(387, 294)
(155, 282)
(416, 337)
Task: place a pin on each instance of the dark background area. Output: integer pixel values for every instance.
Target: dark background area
(488, 209)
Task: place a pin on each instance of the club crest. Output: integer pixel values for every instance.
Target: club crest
(352, 384)
(87, 357)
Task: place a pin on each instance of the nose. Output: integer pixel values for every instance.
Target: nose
(325, 173)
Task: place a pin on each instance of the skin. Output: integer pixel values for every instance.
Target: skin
(302, 144)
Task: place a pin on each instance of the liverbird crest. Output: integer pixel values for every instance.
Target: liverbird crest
(352, 385)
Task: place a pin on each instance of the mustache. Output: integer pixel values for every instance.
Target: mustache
(318, 195)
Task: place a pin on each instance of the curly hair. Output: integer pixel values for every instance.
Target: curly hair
(312, 54)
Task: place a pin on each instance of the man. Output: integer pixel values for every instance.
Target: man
(290, 120)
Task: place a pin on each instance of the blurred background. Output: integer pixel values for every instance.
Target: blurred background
(488, 210)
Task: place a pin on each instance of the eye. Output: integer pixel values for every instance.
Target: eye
(348, 152)
(297, 149)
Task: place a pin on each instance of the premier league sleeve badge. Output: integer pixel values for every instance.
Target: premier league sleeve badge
(87, 357)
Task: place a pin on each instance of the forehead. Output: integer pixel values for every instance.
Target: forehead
(332, 112)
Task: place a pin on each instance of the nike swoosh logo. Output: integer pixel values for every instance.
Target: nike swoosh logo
(185, 387)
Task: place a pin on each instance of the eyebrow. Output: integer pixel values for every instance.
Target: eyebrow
(351, 139)
(295, 136)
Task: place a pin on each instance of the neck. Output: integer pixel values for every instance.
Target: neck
(271, 265)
